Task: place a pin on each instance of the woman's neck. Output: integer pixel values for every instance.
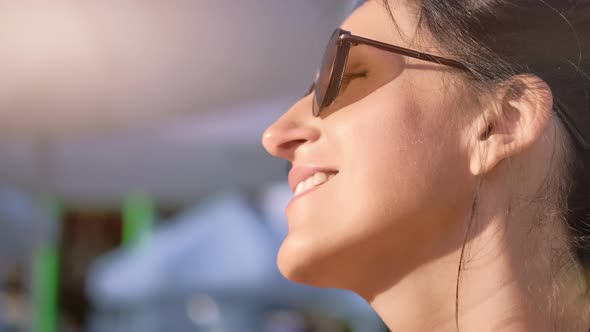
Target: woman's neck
(508, 281)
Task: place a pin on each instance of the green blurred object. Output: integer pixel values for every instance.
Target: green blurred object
(46, 272)
(139, 214)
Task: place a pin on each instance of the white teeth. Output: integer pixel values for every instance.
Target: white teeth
(299, 188)
(312, 181)
(308, 184)
(319, 178)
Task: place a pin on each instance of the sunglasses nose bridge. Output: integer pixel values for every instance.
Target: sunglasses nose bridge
(315, 107)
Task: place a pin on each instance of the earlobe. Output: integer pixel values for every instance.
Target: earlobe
(515, 118)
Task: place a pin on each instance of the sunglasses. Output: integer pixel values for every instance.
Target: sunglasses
(334, 75)
(331, 74)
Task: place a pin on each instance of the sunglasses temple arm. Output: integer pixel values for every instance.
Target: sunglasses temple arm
(407, 52)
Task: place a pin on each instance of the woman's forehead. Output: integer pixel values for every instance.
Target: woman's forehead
(372, 20)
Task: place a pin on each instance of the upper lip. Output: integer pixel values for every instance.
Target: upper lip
(300, 173)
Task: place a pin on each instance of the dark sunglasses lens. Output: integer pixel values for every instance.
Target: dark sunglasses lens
(322, 83)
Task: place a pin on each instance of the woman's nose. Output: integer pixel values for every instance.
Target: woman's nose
(290, 131)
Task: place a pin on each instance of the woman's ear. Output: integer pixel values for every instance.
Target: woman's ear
(516, 117)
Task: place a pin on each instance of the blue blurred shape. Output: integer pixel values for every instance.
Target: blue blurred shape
(221, 247)
(22, 223)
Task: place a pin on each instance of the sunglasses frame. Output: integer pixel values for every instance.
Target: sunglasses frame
(342, 41)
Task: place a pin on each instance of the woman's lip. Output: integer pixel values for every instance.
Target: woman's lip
(296, 197)
(300, 173)
(303, 194)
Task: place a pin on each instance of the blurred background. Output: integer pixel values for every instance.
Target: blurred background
(134, 192)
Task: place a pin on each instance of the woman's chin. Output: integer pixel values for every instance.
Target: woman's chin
(301, 262)
(294, 262)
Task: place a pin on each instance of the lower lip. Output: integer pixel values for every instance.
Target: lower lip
(294, 199)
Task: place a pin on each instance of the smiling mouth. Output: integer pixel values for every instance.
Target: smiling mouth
(316, 180)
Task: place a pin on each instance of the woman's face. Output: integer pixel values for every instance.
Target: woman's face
(402, 183)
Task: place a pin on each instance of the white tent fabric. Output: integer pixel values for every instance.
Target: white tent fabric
(77, 66)
(165, 98)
